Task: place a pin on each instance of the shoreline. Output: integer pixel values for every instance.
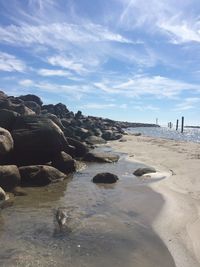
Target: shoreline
(178, 223)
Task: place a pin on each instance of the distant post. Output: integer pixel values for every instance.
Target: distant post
(156, 121)
(176, 125)
(182, 124)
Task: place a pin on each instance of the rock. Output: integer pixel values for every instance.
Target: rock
(136, 134)
(18, 191)
(101, 157)
(40, 175)
(80, 149)
(141, 171)
(9, 177)
(32, 98)
(9, 200)
(111, 135)
(7, 118)
(2, 195)
(105, 177)
(55, 119)
(6, 142)
(94, 140)
(36, 140)
(60, 110)
(64, 163)
(33, 106)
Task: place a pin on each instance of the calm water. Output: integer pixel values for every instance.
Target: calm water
(109, 225)
(189, 134)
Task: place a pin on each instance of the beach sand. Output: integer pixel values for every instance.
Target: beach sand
(178, 223)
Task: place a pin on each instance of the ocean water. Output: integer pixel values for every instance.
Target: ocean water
(189, 134)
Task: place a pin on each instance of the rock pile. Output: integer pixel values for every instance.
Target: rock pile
(40, 144)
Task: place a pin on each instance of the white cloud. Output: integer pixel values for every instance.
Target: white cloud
(99, 106)
(10, 63)
(58, 35)
(188, 103)
(140, 85)
(51, 72)
(66, 63)
(26, 82)
(76, 91)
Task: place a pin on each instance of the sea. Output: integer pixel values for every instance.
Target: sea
(189, 134)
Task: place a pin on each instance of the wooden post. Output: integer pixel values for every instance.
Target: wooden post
(176, 125)
(182, 125)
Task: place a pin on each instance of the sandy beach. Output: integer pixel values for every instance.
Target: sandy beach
(178, 223)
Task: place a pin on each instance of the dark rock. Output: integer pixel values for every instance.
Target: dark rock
(105, 177)
(6, 142)
(33, 106)
(40, 175)
(101, 157)
(79, 148)
(30, 97)
(55, 119)
(7, 118)
(36, 140)
(9, 177)
(2, 195)
(110, 135)
(64, 163)
(141, 171)
(94, 140)
(136, 134)
(60, 110)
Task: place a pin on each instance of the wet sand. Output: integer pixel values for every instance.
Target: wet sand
(178, 222)
(110, 225)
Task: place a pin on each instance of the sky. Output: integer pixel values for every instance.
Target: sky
(129, 60)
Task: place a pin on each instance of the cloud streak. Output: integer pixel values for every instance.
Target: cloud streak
(10, 63)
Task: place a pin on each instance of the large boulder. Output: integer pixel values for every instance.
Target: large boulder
(6, 142)
(7, 118)
(64, 163)
(141, 171)
(40, 175)
(30, 97)
(105, 177)
(37, 140)
(9, 177)
(79, 150)
(101, 157)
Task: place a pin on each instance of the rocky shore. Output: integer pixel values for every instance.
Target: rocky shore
(40, 144)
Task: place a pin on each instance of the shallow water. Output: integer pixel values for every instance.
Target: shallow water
(189, 134)
(110, 225)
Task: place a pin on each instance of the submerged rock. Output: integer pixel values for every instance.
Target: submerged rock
(105, 177)
(40, 175)
(101, 157)
(9, 177)
(141, 171)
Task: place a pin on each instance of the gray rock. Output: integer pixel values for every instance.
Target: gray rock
(6, 142)
(101, 157)
(141, 171)
(94, 140)
(37, 140)
(64, 163)
(7, 118)
(105, 177)
(40, 175)
(9, 177)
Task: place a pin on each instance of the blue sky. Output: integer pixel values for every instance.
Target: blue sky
(133, 60)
